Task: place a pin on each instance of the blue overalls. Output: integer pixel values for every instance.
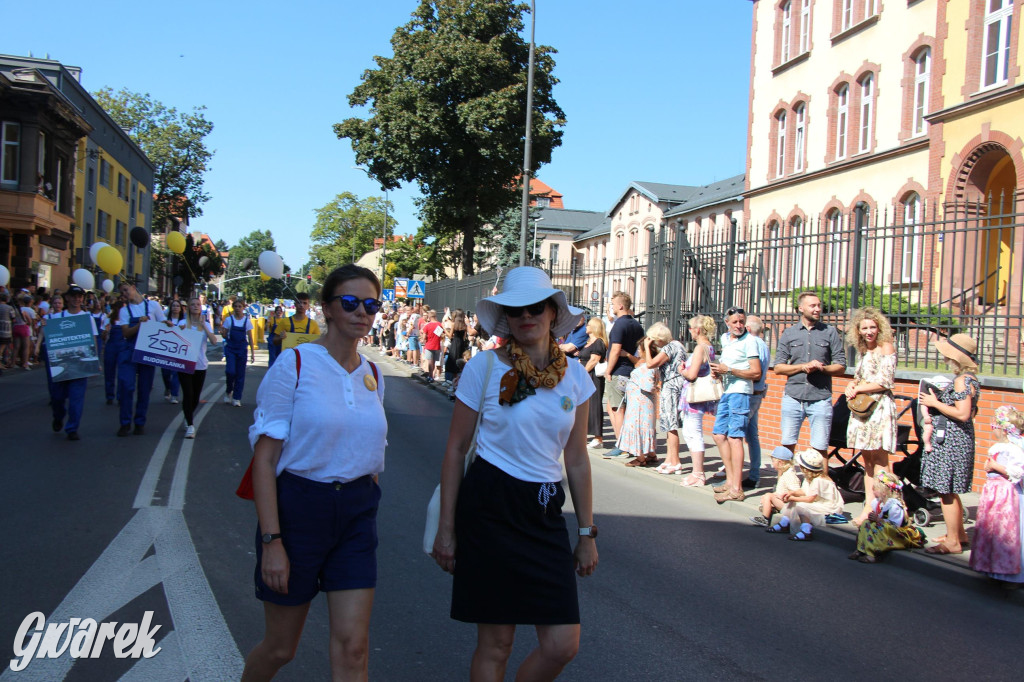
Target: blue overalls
(127, 372)
(235, 348)
(71, 391)
(111, 356)
(272, 349)
(172, 384)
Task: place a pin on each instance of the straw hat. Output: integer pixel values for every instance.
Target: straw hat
(960, 348)
(810, 460)
(524, 286)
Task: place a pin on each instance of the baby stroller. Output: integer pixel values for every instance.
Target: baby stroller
(849, 477)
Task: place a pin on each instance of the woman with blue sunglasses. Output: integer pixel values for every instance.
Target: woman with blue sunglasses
(315, 491)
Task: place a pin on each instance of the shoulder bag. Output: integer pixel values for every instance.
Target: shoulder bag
(863, 405)
(705, 389)
(434, 506)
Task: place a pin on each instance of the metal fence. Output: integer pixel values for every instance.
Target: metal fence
(931, 270)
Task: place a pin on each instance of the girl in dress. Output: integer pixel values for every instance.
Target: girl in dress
(637, 435)
(887, 526)
(818, 497)
(998, 550)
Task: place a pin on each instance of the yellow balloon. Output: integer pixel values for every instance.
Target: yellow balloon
(176, 242)
(109, 259)
(265, 277)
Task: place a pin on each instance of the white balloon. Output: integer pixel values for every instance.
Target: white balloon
(83, 278)
(271, 265)
(108, 285)
(5, 276)
(95, 249)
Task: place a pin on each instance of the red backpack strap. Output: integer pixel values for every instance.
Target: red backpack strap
(373, 368)
(298, 365)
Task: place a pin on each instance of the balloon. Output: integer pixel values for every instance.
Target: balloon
(245, 264)
(5, 276)
(176, 242)
(140, 237)
(108, 285)
(94, 251)
(110, 260)
(203, 261)
(271, 264)
(83, 278)
(265, 277)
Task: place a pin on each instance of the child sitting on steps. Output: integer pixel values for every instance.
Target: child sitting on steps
(888, 525)
(808, 507)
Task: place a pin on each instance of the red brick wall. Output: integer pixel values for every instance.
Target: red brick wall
(991, 398)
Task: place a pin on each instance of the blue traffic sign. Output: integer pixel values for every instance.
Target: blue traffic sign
(417, 288)
(388, 295)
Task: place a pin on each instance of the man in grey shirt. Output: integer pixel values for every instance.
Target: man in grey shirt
(809, 354)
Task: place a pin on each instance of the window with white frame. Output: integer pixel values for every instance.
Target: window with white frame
(922, 74)
(780, 152)
(553, 254)
(787, 29)
(543, 202)
(996, 52)
(842, 119)
(910, 266)
(847, 14)
(796, 228)
(11, 157)
(805, 26)
(799, 136)
(632, 242)
(867, 108)
(870, 8)
(834, 225)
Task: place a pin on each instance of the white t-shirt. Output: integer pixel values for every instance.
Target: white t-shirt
(230, 323)
(146, 308)
(202, 362)
(524, 440)
(339, 431)
(736, 354)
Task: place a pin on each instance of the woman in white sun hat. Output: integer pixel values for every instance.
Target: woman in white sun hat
(502, 533)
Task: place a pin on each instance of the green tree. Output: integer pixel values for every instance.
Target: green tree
(503, 236)
(188, 267)
(254, 288)
(174, 143)
(345, 229)
(448, 111)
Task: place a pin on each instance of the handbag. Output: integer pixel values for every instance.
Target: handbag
(705, 389)
(434, 506)
(600, 368)
(863, 405)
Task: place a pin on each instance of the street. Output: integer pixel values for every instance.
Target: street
(110, 528)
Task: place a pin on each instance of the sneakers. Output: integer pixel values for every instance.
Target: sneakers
(236, 403)
(125, 430)
(616, 453)
(720, 473)
(595, 443)
(174, 401)
(190, 432)
(167, 396)
(227, 398)
(759, 521)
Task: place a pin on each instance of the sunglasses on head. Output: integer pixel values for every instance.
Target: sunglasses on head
(534, 309)
(349, 303)
(735, 311)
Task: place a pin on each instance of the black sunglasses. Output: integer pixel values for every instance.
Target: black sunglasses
(517, 310)
(735, 311)
(349, 303)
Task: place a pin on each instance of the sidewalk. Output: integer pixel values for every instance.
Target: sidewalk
(843, 536)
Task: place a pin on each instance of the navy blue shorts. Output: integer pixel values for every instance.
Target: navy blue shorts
(329, 531)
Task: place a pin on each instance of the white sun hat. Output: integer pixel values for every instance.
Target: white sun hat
(524, 286)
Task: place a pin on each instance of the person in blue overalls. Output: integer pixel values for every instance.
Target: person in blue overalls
(274, 349)
(237, 333)
(132, 377)
(72, 391)
(112, 351)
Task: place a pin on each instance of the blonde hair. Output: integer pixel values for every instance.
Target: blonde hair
(784, 464)
(958, 368)
(659, 332)
(705, 323)
(596, 327)
(811, 475)
(853, 337)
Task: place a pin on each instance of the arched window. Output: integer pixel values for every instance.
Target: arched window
(780, 151)
(800, 135)
(842, 119)
(787, 29)
(922, 75)
(910, 261)
(632, 243)
(867, 110)
(805, 26)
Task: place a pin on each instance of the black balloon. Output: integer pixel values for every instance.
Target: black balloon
(140, 237)
(203, 261)
(178, 280)
(245, 264)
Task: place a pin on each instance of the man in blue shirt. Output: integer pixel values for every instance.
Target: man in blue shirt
(576, 339)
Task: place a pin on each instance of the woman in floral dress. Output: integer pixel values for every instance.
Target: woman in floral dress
(949, 468)
(874, 437)
(669, 358)
(637, 434)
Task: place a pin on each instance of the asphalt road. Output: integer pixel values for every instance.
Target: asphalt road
(113, 527)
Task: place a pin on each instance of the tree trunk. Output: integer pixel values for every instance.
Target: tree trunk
(469, 228)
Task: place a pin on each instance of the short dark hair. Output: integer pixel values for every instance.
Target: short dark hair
(343, 274)
(302, 296)
(804, 294)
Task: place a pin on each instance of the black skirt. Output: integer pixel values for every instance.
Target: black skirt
(513, 561)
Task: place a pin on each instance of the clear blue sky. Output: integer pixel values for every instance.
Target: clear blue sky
(653, 90)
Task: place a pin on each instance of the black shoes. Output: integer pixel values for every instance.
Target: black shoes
(57, 424)
(748, 484)
(73, 436)
(125, 430)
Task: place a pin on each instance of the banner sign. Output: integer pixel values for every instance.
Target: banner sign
(401, 288)
(294, 339)
(71, 348)
(166, 347)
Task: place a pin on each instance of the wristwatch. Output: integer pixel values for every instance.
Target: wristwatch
(270, 537)
(588, 532)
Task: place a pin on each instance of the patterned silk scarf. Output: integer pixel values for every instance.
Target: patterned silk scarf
(524, 379)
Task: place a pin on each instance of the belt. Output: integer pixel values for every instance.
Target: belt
(761, 392)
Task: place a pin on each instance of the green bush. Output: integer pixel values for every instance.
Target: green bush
(893, 305)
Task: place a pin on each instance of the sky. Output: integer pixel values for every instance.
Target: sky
(653, 90)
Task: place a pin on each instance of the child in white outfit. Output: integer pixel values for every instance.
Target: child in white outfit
(788, 481)
(817, 498)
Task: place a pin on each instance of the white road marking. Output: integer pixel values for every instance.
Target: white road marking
(200, 646)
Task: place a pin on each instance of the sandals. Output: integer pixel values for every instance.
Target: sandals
(941, 549)
(694, 480)
(777, 528)
(800, 536)
(643, 461)
(667, 469)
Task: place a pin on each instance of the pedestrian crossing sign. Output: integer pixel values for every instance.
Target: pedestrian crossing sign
(401, 288)
(417, 288)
